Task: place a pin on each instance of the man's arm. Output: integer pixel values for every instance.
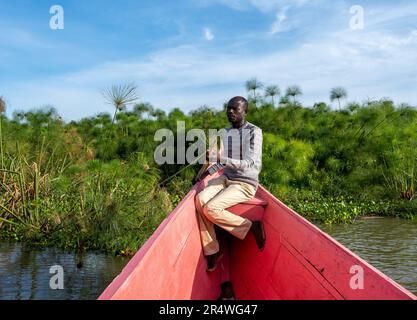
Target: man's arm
(252, 157)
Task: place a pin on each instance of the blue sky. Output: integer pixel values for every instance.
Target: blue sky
(191, 53)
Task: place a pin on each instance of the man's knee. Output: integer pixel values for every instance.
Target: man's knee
(206, 206)
(211, 210)
(199, 199)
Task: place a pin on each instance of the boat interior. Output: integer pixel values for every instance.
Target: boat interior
(299, 261)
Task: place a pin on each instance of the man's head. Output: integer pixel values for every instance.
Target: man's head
(237, 108)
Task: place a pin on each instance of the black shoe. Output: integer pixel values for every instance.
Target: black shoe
(212, 261)
(227, 292)
(258, 232)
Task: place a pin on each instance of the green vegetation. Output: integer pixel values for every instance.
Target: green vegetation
(94, 184)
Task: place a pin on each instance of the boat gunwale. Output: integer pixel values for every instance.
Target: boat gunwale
(123, 277)
(336, 243)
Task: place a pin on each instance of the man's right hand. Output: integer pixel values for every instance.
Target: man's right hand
(212, 155)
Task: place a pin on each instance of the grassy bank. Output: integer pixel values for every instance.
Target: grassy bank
(93, 184)
(345, 209)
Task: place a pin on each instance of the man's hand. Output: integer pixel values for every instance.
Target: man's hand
(212, 155)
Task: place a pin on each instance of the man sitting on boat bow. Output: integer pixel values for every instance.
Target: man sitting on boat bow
(242, 163)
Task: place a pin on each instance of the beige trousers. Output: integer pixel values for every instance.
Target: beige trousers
(221, 193)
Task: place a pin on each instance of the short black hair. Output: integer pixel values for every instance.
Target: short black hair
(240, 100)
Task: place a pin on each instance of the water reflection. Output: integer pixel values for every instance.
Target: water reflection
(389, 244)
(24, 272)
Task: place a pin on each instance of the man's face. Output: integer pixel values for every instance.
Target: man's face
(236, 112)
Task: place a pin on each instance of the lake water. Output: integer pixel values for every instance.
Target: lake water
(25, 272)
(388, 244)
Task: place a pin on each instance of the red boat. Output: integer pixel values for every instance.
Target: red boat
(299, 262)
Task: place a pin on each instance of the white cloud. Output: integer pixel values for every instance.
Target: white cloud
(266, 7)
(374, 62)
(234, 4)
(208, 34)
(387, 14)
(261, 5)
(392, 42)
(272, 5)
(182, 76)
(278, 25)
(20, 38)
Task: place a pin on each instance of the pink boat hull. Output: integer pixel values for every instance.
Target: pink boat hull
(299, 262)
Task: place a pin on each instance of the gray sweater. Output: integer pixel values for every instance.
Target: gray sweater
(242, 154)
